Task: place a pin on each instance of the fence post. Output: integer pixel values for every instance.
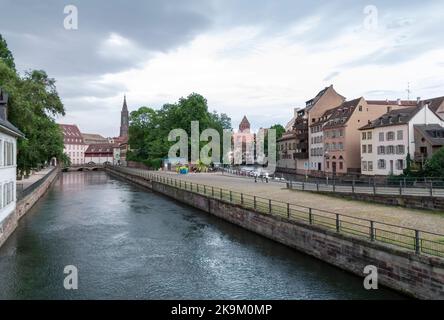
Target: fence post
(221, 194)
(400, 187)
(337, 222)
(372, 231)
(269, 206)
(288, 210)
(231, 196)
(374, 187)
(431, 188)
(317, 186)
(254, 201)
(334, 184)
(242, 199)
(205, 190)
(212, 191)
(303, 186)
(310, 216)
(417, 242)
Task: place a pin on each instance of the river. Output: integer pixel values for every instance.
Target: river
(129, 243)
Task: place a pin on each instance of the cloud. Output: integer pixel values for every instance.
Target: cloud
(332, 75)
(36, 34)
(260, 58)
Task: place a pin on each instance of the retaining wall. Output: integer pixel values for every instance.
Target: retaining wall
(419, 276)
(10, 223)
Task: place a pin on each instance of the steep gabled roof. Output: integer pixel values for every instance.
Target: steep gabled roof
(9, 128)
(5, 125)
(433, 133)
(342, 114)
(434, 103)
(310, 103)
(71, 134)
(394, 117)
(325, 117)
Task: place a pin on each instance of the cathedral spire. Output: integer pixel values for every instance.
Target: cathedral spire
(124, 108)
(124, 121)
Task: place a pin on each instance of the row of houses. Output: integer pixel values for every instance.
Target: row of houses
(94, 149)
(336, 136)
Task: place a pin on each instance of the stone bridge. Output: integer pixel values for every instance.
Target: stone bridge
(84, 167)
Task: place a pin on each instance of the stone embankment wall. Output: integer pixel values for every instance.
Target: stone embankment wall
(10, 223)
(419, 276)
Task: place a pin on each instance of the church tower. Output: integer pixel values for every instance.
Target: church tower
(244, 126)
(124, 121)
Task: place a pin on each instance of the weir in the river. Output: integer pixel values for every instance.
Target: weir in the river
(129, 243)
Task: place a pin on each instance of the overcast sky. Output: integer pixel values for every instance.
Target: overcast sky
(258, 58)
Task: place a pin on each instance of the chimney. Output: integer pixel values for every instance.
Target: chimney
(3, 105)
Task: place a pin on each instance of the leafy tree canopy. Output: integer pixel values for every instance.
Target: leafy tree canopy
(33, 103)
(434, 167)
(149, 128)
(5, 54)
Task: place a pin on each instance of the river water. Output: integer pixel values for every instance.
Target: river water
(129, 243)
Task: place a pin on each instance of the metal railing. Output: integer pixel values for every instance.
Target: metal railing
(373, 189)
(421, 242)
(23, 192)
(420, 187)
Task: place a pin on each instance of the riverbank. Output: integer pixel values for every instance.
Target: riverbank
(420, 276)
(431, 221)
(33, 190)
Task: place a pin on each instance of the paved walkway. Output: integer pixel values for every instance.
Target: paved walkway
(36, 176)
(412, 218)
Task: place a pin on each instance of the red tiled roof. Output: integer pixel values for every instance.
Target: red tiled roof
(71, 134)
(100, 148)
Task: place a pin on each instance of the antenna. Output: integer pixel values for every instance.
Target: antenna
(408, 91)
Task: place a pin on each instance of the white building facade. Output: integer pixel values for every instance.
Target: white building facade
(8, 162)
(74, 145)
(386, 142)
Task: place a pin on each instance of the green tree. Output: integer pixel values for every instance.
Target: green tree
(149, 128)
(6, 54)
(33, 103)
(280, 130)
(434, 167)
